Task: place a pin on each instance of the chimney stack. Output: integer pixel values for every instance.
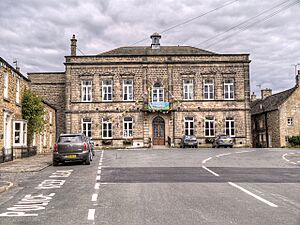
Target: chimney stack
(18, 69)
(73, 45)
(298, 79)
(266, 93)
(253, 97)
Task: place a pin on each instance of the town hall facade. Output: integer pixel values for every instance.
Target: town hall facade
(150, 95)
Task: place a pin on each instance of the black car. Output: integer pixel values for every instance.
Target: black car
(223, 140)
(189, 140)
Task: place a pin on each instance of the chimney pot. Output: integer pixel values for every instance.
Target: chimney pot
(155, 40)
(253, 97)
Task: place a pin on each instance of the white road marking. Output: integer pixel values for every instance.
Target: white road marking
(100, 163)
(224, 154)
(253, 195)
(97, 185)
(245, 151)
(212, 172)
(100, 167)
(91, 215)
(99, 172)
(98, 177)
(94, 197)
(205, 160)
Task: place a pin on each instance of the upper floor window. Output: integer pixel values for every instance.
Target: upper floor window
(20, 133)
(229, 127)
(87, 127)
(189, 126)
(188, 89)
(18, 91)
(290, 121)
(127, 127)
(157, 93)
(228, 89)
(86, 91)
(50, 118)
(209, 126)
(208, 89)
(106, 128)
(127, 90)
(5, 85)
(107, 90)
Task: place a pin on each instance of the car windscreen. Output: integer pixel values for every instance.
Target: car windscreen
(67, 139)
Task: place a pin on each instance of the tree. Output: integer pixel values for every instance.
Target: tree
(33, 111)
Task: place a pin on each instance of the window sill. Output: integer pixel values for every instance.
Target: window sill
(18, 104)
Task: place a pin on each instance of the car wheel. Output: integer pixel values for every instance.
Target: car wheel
(55, 163)
(87, 161)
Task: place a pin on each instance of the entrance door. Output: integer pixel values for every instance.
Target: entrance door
(7, 136)
(158, 131)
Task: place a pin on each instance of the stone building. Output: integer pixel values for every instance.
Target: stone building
(13, 129)
(151, 95)
(276, 117)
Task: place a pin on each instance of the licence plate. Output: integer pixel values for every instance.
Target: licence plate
(70, 156)
(226, 140)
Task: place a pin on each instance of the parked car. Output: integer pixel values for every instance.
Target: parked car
(72, 147)
(222, 140)
(189, 140)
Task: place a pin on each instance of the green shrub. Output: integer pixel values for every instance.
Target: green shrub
(33, 111)
(294, 140)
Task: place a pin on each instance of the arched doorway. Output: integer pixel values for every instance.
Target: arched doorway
(158, 125)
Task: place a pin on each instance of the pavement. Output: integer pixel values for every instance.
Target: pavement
(30, 164)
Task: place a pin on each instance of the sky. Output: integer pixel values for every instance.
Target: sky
(37, 33)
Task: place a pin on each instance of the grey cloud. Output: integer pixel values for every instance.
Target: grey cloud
(38, 32)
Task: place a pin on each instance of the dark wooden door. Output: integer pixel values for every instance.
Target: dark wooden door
(158, 131)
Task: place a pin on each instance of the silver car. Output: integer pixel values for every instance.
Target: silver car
(223, 141)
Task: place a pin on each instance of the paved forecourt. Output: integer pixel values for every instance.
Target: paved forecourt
(190, 186)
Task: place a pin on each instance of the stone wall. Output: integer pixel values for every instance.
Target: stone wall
(290, 108)
(51, 87)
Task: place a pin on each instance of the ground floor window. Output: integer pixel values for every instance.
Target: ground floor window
(106, 128)
(87, 127)
(127, 127)
(189, 126)
(20, 133)
(229, 127)
(209, 126)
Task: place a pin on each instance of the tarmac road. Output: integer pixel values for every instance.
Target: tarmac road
(162, 187)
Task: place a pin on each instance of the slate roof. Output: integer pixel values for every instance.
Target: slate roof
(270, 103)
(164, 50)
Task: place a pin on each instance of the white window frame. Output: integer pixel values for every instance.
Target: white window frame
(86, 127)
(105, 91)
(127, 131)
(108, 123)
(290, 121)
(128, 90)
(5, 90)
(229, 89)
(230, 127)
(45, 139)
(210, 121)
(87, 91)
(159, 93)
(50, 140)
(22, 133)
(189, 126)
(18, 91)
(188, 89)
(208, 94)
(50, 118)
(34, 139)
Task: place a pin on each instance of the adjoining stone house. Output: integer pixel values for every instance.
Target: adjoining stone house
(276, 117)
(151, 95)
(13, 129)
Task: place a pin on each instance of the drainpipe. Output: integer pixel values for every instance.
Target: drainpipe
(267, 130)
